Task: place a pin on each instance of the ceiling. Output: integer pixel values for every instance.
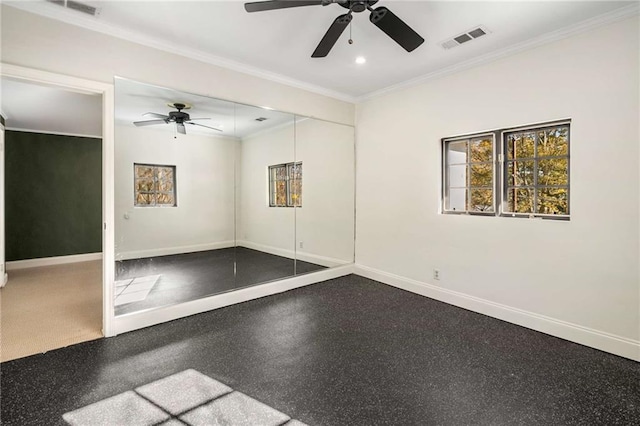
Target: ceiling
(278, 44)
(39, 108)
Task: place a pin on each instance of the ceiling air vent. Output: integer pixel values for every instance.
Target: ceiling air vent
(465, 37)
(76, 5)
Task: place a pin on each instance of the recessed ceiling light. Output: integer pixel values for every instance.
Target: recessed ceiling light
(360, 60)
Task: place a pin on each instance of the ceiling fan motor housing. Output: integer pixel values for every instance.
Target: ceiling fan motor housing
(357, 5)
(178, 116)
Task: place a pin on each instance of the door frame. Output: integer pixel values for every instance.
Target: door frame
(80, 85)
(3, 265)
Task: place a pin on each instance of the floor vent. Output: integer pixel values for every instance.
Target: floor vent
(464, 37)
(78, 6)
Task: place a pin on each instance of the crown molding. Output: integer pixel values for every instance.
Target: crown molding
(59, 14)
(581, 27)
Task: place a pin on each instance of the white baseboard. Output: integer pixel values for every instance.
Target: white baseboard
(48, 261)
(165, 251)
(329, 262)
(134, 321)
(601, 340)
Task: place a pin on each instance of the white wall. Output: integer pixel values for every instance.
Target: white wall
(580, 276)
(33, 41)
(325, 222)
(204, 217)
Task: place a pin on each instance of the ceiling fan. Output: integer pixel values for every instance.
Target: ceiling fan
(178, 117)
(381, 17)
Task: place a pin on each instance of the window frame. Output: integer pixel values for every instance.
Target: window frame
(504, 164)
(288, 185)
(446, 174)
(500, 171)
(155, 167)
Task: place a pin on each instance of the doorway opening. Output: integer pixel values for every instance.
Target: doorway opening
(57, 167)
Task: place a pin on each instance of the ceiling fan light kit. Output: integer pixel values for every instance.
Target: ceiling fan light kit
(381, 17)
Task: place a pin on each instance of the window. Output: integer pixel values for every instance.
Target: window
(536, 170)
(285, 185)
(532, 180)
(155, 186)
(469, 174)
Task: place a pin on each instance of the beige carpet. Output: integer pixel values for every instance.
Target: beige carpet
(50, 307)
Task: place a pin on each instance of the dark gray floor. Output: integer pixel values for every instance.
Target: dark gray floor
(349, 351)
(191, 276)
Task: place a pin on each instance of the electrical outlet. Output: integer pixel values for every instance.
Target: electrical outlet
(436, 274)
(301, 244)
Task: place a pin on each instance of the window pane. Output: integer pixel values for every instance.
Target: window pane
(144, 185)
(144, 171)
(166, 186)
(295, 171)
(144, 199)
(281, 173)
(553, 201)
(511, 141)
(165, 199)
(520, 200)
(458, 176)
(481, 175)
(520, 173)
(165, 173)
(456, 152)
(281, 193)
(296, 193)
(553, 171)
(520, 145)
(481, 200)
(481, 150)
(457, 200)
(553, 142)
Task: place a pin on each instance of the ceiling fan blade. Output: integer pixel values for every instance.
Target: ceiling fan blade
(395, 28)
(181, 129)
(260, 6)
(202, 125)
(332, 35)
(149, 122)
(191, 119)
(156, 115)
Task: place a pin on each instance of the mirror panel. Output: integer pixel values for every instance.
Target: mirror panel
(325, 219)
(265, 225)
(183, 249)
(262, 196)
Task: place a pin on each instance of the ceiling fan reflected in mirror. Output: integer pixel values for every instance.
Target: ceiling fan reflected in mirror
(178, 117)
(381, 17)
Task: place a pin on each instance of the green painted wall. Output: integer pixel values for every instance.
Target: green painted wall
(53, 190)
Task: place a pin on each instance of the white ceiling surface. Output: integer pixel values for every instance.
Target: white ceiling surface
(279, 43)
(28, 106)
